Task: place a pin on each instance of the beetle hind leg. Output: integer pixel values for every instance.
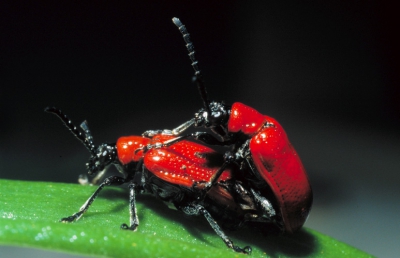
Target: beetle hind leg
(221, 234)
(264, 204)
(196, 209)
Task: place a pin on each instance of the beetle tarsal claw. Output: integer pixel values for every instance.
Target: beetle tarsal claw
(133, 227)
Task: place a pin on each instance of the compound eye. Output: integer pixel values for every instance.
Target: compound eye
(216, 114)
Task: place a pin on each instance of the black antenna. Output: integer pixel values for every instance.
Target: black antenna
(86, 139)
(197, 73)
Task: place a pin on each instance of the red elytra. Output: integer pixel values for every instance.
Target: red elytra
(276, 161)
(183, 163)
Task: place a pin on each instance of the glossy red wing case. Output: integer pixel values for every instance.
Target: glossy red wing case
(279, 164)
(276, 161)
(183, 163)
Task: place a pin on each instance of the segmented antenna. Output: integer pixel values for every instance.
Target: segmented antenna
(197, 72)
(85, 127)
(85, 138)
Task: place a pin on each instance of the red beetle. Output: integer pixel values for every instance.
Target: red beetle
(270, 164)
(276, 161)
(180, 175)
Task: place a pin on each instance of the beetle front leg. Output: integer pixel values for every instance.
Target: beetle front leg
(112, 180)
(200, 136)
(228, 159)
(134, 220)
(196, 209)
(176, 131)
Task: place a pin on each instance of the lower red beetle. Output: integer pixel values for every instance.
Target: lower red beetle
(259, 145)
(180, 174)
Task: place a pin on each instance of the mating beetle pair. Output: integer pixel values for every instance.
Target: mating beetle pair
(259, 180)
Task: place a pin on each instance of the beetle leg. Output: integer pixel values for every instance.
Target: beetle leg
(196, 209)
(112, 180)
(265, 205)
(229, 158)
(134, 220)
(168, 143)
(159, 145)
(136, 186)
(200, 136)
(176, 131)
(183, 127)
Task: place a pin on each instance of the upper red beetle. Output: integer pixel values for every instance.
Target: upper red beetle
(270, 165)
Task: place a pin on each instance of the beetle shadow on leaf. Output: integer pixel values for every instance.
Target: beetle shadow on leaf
(299, 244)
(195, 225)
(112, 194)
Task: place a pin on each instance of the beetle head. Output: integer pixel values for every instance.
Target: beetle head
(104, 155)
(217, 116)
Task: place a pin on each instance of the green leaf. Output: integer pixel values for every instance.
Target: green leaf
(30, 214)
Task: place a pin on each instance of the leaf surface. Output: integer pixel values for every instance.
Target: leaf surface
(30, 214)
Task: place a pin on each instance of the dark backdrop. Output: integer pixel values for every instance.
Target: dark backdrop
(326, 71)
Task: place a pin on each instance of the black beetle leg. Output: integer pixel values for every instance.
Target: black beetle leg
(176, 131)
(112, 180)
(134, 220)
(229, 158)
(265, 205)
(136, 186)
(196, 209)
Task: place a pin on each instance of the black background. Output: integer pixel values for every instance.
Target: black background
(326, 71)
